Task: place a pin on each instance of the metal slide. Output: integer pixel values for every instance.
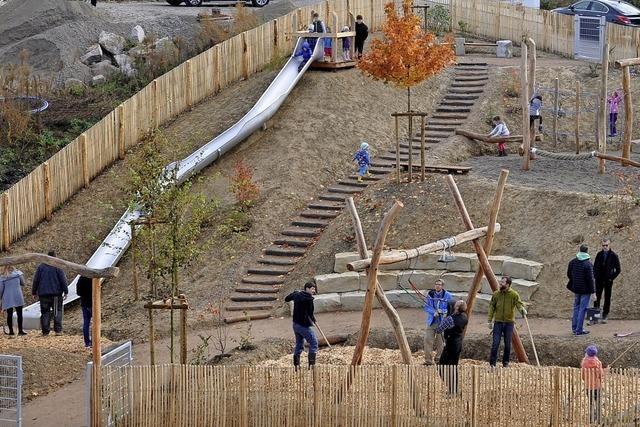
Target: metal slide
(117, 241)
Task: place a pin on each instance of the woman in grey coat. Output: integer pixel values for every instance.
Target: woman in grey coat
(11, 283)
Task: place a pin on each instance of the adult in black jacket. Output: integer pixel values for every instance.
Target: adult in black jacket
(50, 286)
(362, 32)
(605, 269)
(581, 283)
(453, 328)
(84, 290)
(303, 319)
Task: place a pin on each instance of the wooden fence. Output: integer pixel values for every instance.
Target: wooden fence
(552, 32)
(36, 196)
(181, 395)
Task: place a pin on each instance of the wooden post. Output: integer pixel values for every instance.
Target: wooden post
(524, 103)
(488, 241)
(334, 39)
(46, 186)
(183, 332)
(394, 396)
(484, 261)
(96, 372)
(577, 122)
(397, 152)
(85, 160)
(122, 148)
(245, 56)
(135, 262)
(410, 163)
(373, 26)
(474, 394)
(372, 278)
(531, 67)
(555, 410)
(188, 93)
(156, 104)
(352, 44)
(152, 338)
(628, 113)
(218, 70)
(422, 159)
(602, 122)
(556, 106)
(5, 222)
(275, 34)
(327, 10)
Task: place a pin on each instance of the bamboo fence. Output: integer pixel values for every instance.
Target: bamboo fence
(400, 395)
(37, 195)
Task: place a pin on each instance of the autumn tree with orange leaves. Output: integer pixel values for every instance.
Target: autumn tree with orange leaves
(407, 55)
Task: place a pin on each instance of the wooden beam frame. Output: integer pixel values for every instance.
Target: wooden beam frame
(81, 269)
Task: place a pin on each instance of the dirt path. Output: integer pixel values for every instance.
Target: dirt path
(45, 411)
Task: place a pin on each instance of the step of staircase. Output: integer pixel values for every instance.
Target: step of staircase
(279, 260)
(301, 231)
(269, 270)
(456, 103)
(453, 110)
(249, 315)
(461, 97)
(253, 297)
(370, 178)
(439, 128)
(344, 189)
(471, 64)
(466, 90)
(248, 307)
(258, 279)
(328, 206)
(258, 289)
(299, 242)
(310, 222)
(463, 85)
(284, 251)
(378, 170)
(446, 115)
(335, 197)
(353, 182)
(318, 213)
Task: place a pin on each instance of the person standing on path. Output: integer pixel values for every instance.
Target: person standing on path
(502, 316)
(581, 283)
(453, 329)
(605, 270)
(436, 307)
(613, 102)
(84, 288)
(303, 319)
(362, 32)
(592, 373)
(11, 284)
(50, 286)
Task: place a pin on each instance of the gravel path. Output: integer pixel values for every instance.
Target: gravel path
(555, 175)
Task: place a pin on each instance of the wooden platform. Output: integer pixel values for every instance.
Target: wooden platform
(322, 65)
(454, 169)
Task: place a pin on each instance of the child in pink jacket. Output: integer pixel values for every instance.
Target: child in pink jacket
(613, 101)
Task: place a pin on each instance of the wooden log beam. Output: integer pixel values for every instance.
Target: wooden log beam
(81, 269)
(410, 114)
(96, 350)
(372, 278)
(622, 63)
(531, 67)
(602, 116)
(628, 113)
(389, 310)
(166, 306)
(621, 160)
(396, 256)
(524, 103)
(577, 121)
(488, 241)
(484, 261)
(556, 106)
(493, 140)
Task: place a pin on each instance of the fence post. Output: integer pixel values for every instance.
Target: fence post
(556, 105)
(602, 119)
(188, 93)
(373, 17)
(96, 371)
(85, 160)
(394, 396)
(245, 56)
(628, 114)
(577, 123)
(334, 39)
(524, 102)
(5, 221)
(275, 33)
(216, 74)
(474, 396)
(46, 184)
(121, 144)
(156, 103)
(244, 397)
(555, 412)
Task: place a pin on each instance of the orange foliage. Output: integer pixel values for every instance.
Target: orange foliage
(407, 55)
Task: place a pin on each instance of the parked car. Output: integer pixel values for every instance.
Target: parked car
(617, 12)
(256, 3)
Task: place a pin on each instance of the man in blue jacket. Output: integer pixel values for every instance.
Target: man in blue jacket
(50, 287)
(582, 284)
(303, 319)
(436, 307)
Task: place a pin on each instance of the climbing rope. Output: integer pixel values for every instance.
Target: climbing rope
(564, 156)
(412, 295)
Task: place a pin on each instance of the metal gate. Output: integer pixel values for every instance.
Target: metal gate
(10, 390)
(589, 37)
(114, 408)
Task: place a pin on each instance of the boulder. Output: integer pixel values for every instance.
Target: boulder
(138, 51)
(74, 83)
(98, 80)
(104, 68)
(402, 299)
(482, 301)
(353, 301)
(519, 268)
(165, 44)
(112, 43)
(125, 62)
(504, 49)
(93, 55)
(525, 288)
(137, 34)
(325, 302)
(458, 281)
(340, 282)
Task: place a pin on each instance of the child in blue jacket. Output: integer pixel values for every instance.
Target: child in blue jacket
(362, 157)
(305, 53)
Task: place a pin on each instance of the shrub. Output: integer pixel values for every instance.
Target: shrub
(512, 89)
(244, 189)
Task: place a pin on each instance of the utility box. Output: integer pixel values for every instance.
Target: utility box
(504, 48)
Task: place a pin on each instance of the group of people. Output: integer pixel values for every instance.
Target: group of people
(50, 288)
(318, 26)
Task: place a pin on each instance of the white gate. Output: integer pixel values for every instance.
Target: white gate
(589, 37)
(10, 390)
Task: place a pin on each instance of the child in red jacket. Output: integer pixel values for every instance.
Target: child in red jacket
(592, 373)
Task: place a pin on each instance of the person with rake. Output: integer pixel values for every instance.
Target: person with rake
(303, 319)
(502, 315)
(436, 306)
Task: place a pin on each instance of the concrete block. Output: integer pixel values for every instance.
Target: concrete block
(525, 288)
(326, 302)
(459, 43)
(339, 282)
(496, 262)
(353, 301)
(458, 281)
(519, 268)
(504, 49)
(481, 304)
(402, 299)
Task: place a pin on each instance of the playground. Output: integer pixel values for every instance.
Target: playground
(296, 158)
